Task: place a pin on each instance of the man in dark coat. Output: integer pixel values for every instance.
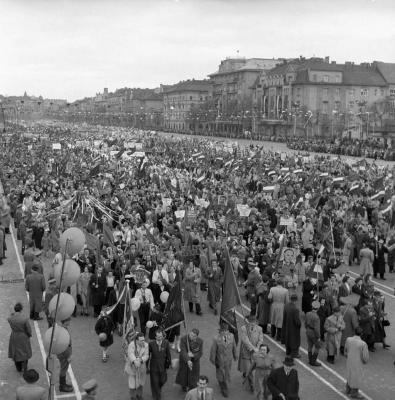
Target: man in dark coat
(283, 382)
(189, 366)
(35, 285)
(105, 325)
(291, 328)
(98, 286)
(159, 363)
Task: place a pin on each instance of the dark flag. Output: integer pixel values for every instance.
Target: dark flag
(95, 170)
(174, 310)
(108, 237)
(120, 152)
(378, 184)
(230, 297)
(128, 327)
(150, 236)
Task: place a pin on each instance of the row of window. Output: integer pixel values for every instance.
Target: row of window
(183, 98)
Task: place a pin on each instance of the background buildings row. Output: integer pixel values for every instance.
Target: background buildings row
(258, 97)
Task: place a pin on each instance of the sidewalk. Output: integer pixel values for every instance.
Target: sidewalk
(12, 290)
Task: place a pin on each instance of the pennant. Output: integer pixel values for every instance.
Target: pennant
(230, 297)
(128, 327)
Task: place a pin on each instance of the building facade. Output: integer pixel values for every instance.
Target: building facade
(180, 101)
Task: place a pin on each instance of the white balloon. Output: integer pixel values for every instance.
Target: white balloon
(135, 304)
(76, 241)
(164, 296)
(61, 339)
(71, 273)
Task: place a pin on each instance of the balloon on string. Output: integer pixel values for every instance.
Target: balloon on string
(61, 339)
(71, 273)
(76, 242)
(164, 296)
(149, 324)
(135, 304)
(65, 308)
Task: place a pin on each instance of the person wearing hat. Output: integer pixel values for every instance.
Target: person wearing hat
(279, 296)
(313, 334)
(50, 292)
(19, 348)
(90, 388)
(31, 391)
(222, 353)
(251, 336)
(283, 382)
(357, 353)
(35, 286)
(350, 316)
(291, 327)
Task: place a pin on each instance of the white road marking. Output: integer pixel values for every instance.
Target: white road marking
(319, 377)
(77, 393)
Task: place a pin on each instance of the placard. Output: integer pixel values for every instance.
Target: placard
(286, 221)
(56, 146)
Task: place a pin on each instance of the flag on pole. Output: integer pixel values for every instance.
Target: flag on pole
(174, 310)
(128, 328)
(108, 237)
(230, 297)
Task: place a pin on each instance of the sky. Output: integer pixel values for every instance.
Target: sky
(71, 49)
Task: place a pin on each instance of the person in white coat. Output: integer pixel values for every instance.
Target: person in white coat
(357, 353)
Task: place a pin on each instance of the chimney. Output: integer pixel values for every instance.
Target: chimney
(327, 59)
(333, 62)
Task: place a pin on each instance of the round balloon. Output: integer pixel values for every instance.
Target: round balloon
(135, 304)
(164, 296)
(149, 324)
(61, 339)
(102, 337)
(76, 241)
(65, 308)
(71, 273)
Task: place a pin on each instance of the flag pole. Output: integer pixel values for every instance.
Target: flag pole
(333, 241)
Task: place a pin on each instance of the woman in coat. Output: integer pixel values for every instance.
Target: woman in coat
(105, 325)
(279, 296)
(84, 291)
(192, 279)
(19, 348)
(135, 366)
(366, 256)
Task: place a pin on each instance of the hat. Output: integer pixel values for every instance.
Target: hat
(251, 317)
(52, 280)
(294, 297)
(90, 385)
(37, 252)
(315, 304)
(31, 376)
(289, 362)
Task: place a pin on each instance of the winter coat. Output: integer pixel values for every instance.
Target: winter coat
(192, 281)
(366, 265)
(291, 326)
(19, 348)
(222, 353)
(357, 354)
(136, 369)
(35, 285)
(279, 297)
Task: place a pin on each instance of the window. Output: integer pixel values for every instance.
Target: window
(351, 104)
(298, 91)
(392, 92)
(326, 78)
(337, 79)
(190, 97)
(351, 92)
(314, 77)
(325, 107)
(364, 92)
(375, 92)
(337, 92)
(382, 93)
(325, 92)
(337, 105)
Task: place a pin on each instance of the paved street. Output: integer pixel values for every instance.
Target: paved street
(326, 382)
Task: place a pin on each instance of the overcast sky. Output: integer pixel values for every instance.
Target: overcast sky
(74, 48)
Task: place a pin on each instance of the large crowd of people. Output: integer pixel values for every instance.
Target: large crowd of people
(156, 207)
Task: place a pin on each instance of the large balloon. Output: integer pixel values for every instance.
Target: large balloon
(71, 273)
(135, 304)
(102, 337)
(61, 339)
(164, 296)
(76, 242)
(65, 308)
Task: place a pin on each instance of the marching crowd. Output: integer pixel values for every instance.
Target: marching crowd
(157, 209)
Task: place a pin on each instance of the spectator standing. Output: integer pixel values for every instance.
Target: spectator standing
(35, 286)
(283, 382)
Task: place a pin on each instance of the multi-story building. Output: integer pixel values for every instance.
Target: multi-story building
(233, 90)
(179, 102)
(315, 93)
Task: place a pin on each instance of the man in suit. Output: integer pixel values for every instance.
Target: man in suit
(201, 392)
(283, 382)
(35, 285)
(291, 327)
(159, 362)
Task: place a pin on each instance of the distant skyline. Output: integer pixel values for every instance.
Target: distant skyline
(71, 49)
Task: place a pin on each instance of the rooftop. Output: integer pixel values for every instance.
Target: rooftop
(191, 85)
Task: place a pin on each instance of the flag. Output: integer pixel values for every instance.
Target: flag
(120, 153)
(92, 241)
(174, 310)
(95, 170)
(128, 327)
(150, 236)
(378, 184)
(143, 162)
(230, 297)
(108, 237)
